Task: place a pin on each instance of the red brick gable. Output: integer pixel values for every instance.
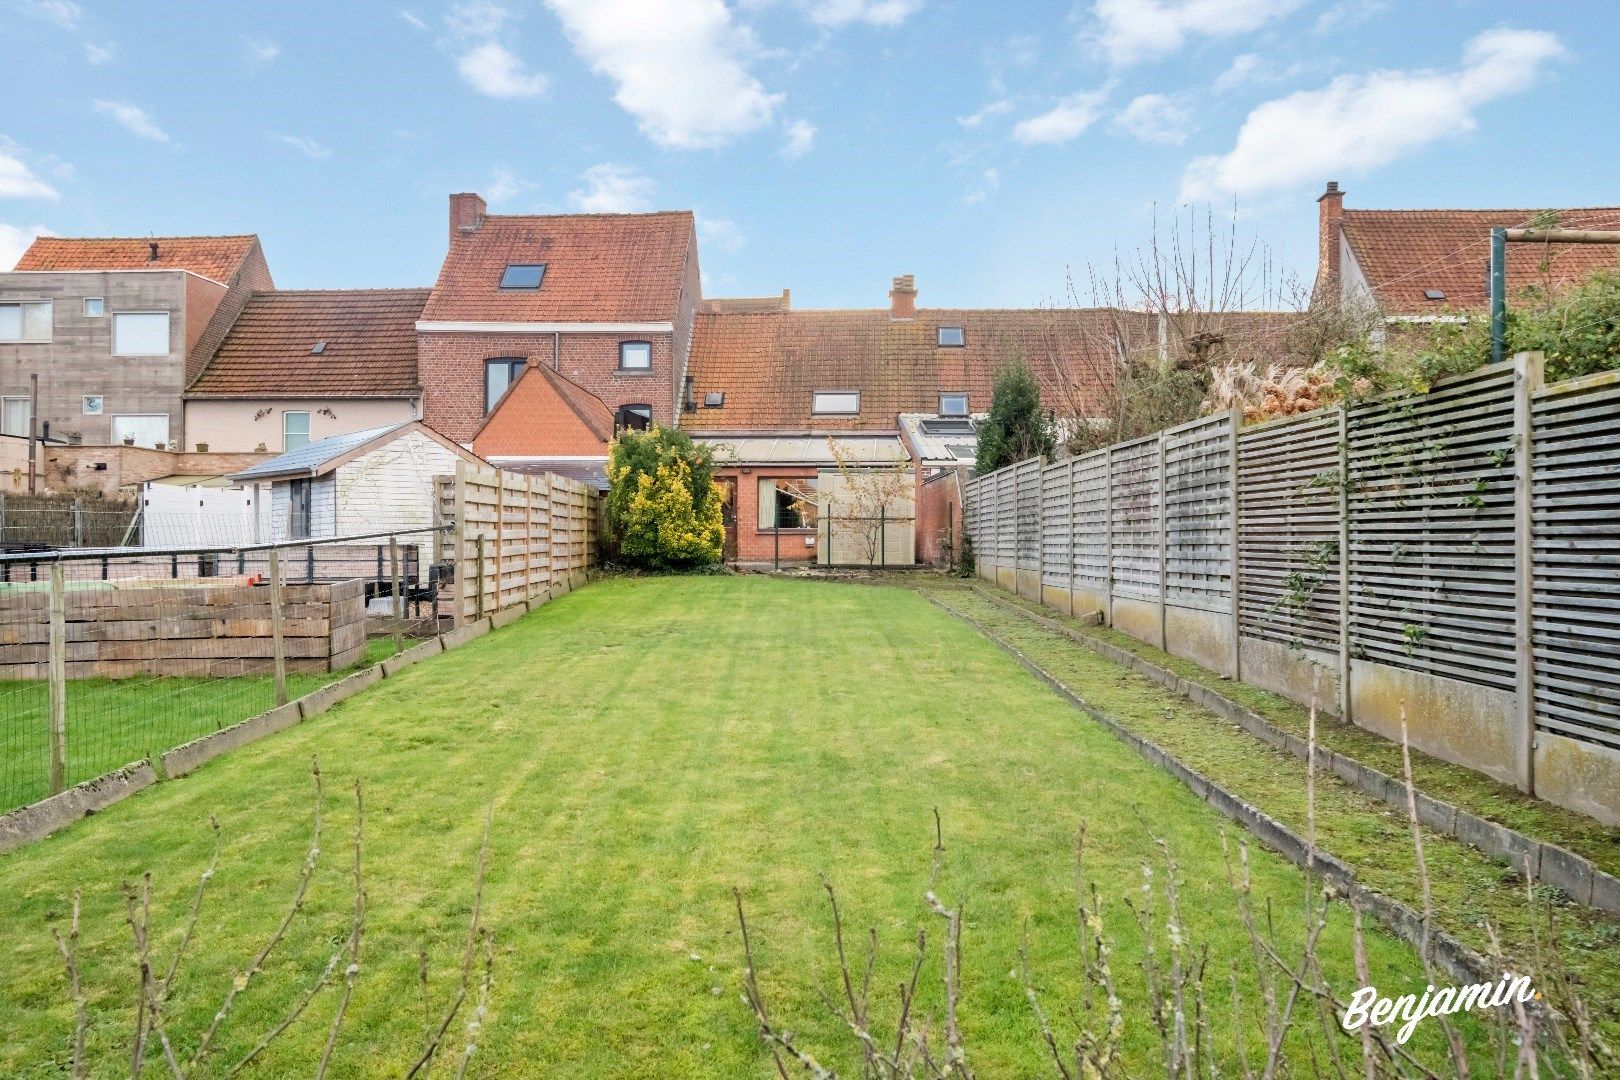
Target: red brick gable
(370, 345)
(1403, 253)
(768, 364)
(545, 414)
(599, 268)
(215, 257)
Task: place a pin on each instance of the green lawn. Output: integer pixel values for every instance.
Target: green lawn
(646, 745)
(112, 722)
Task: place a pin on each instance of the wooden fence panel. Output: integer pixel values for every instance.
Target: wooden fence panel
(1053, 534)
(519, 537)
(1135, 522)
(1090, 493)
(1198, 514)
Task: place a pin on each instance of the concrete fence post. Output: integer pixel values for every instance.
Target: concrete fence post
(1069, 488)
(1528, 377)
(278, 641)
(1164, 550)
(1346, 709)
(58, 678)
(1234, 539)
(1040, 531)
(1108, 536)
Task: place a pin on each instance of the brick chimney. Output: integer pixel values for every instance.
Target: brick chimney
(466, 213)
(1329, 216)
(903, 298)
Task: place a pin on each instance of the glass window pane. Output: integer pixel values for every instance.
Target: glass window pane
(835, 401)
(635, 355)
(767, 504)
(953, 404)
(10, 322)
(294, 430)
(141, 333)
(523, 276)
(94, 307)
(951, 335)
(152, 431)
(36, 322)
(14, 417)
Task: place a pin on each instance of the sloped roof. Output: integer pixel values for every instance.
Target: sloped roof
(1402, 253)
(370, 345)
(319, 457)
(215, 257)
(519, 423)
(769, 364)
(599, 268)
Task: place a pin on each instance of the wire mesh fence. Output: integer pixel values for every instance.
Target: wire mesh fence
(113, 655)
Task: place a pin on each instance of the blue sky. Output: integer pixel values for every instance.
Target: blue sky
(826, 145)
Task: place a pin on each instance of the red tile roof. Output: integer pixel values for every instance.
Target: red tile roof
(370, 337)
(215, 257)
(599, 268)
(1402, 253)
(524, 423)
(768, 364)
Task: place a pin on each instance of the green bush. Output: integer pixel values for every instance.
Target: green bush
(663, 506)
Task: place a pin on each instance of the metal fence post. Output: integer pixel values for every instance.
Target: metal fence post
(883, 536)
(398, 597)
(1235, 539)
(58, 679)
(1346, 709)
(278, 640)
(1528, 375)
(1164, 555)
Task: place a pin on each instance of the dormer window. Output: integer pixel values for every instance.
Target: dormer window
(952, 337)
(635, 356)
(523, 275)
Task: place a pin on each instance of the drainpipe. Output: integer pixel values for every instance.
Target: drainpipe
(556, 351)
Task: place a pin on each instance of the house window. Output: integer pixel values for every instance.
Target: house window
(635, 356)
(140, 333)
(94, 404)
(499, 375)
(523, 275)
(94, 307)
(633, 418)
(952, 337)
(953, 404)
(300, 504)
(714, 399)
(29, 321)
(15, 414)
(294, 430)
(787, 504)
(835, 402)
(150, 431)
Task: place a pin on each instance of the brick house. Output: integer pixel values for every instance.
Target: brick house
(1420, 265)
(785, 395)
(605, 300)
(299, 366)
(115, 329)
(574, 424)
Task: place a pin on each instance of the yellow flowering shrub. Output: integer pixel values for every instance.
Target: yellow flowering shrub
(664, 508)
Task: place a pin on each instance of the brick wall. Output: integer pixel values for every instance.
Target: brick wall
(939, 507)
(451, 366)
(75, 466)
(759, 545)
(253, 276)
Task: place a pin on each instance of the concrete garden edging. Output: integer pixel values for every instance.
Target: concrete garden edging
(1572, 874)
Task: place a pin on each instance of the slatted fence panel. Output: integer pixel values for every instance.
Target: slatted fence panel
(1576, 514)
(1027, 478)
(1432, 530)
(1135, 509)
(1090, 492)
(1198, 514)
(537, 533)
(1288, 531)
(1006, 510)
(1054, 530)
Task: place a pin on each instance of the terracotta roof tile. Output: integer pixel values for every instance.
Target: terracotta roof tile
(599, 268)
(215, 257)
(522, 424)
(769, 364)
(370, 337)
(1402, 253)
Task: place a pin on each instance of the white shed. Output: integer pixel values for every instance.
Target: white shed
(363, 482)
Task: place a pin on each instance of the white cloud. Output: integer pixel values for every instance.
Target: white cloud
(505, 184)
(261, 51)
(986, 112)
(63, 13)
(98, 55)
(801, 135)
(1064, 121)
(14, 240)
(1359, 122)
(989, 181)
(835, 13)
(306, 146)
(414, 19)
(17, 178)
(681, 66)
(1241, 70)
(494, 71)
(133, 118)
(720, 232)
(1155, 118)
(1133, 30)
(612, 189)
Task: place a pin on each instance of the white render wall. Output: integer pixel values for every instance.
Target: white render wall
(392, 486)
(230, 427)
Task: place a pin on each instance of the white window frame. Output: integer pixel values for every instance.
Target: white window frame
(168, 332)
(309, 436)
(22, 322)
(635, 367)
(119, 439)
(100, 302)
(939, 337)
(818, 409)
(28, 410)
